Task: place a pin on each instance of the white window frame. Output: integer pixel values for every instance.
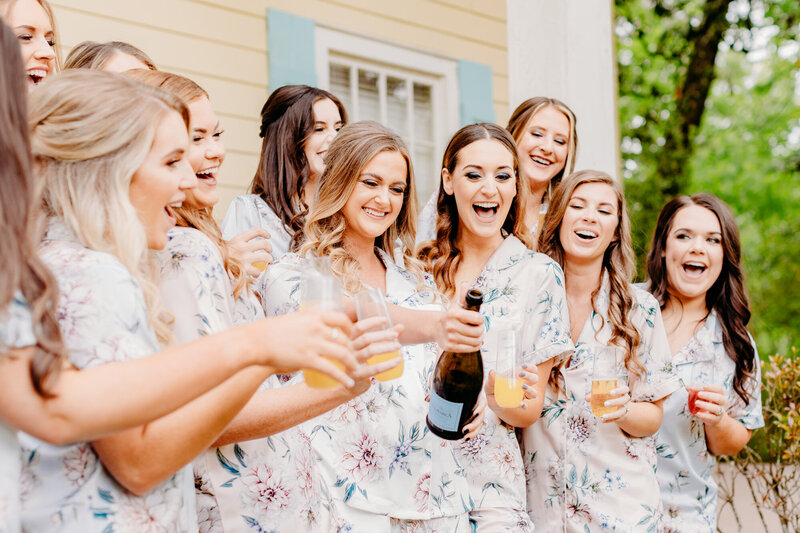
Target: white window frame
(391, 59)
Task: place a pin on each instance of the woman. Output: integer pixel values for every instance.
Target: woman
(695, 273)
(207, 291)
(107, 198)
(544, 130)
(33, 23)
(113, 56)
(482, 241)
(383, 468)
(41, 394)
(588, 473)
(297, 124)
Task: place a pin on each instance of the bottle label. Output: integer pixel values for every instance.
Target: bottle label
(444, 414)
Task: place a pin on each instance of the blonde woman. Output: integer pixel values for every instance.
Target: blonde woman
(482, 242)
(113, 56)
(110, 171)
(545, 132)
(587, 472)
(383, 468)
(33, 23)
(271, 480)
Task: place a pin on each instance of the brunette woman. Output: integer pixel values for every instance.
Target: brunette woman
(297, 124)
(482, 242)
(695, 273)
(590, 472)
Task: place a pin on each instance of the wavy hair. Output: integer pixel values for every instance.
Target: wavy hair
(5, 7)
(94, 55)
(86, 151)
(442, 255)
(727, 296)
(618, 261)
(287, 121)
(523, 114)
(200, 219)
(21, 268)
(350, 152)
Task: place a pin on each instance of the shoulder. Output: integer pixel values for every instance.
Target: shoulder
(73, 263)
(189, 246)
(643, 298)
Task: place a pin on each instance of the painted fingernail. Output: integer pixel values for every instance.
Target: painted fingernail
(524, 387)
(522, 374)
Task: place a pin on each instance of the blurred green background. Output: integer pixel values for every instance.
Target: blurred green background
(709, 101)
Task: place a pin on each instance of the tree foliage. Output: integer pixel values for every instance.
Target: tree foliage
(708, 102)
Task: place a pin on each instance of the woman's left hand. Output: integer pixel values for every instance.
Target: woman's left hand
(527, 373)
(623, 399)
(711, 404)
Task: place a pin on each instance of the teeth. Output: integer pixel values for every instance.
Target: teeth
(541, 161)
(696, 265)
(176, 204)
(587, 234)
(208, 171)
(373, 212)
(486, 205)
(38, 72)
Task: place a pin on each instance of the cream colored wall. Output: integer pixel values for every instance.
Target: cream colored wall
(222, 44)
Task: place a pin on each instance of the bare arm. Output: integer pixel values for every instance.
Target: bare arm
(637, 419)
(724, 435)
(534, 383)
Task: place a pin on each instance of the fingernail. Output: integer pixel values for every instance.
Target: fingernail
(524, 366)
(522, 374)
(606, 403)
(350, 383)
(525, 387)
(466, 439)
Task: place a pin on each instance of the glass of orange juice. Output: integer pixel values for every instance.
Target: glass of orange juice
(320, 290)
(607, 372)
(507, 383)
(371, 303)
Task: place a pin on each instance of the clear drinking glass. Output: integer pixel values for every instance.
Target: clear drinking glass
(507, 383)
(371, 303)
(702, 375)
(607, 372)
(320, 290)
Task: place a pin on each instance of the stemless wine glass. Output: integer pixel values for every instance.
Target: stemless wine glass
(507, 383)
(321, 290)
(606, 375)
(702, 375)
(371, 303)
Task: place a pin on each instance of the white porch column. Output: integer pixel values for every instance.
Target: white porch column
(565, 49)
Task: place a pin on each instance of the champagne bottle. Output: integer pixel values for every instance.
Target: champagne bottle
(457, 383)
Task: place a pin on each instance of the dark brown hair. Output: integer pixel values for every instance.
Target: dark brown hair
(727, 296)
(20, 266)
(618, 260)
(442, 255)
(287, 120)
(94, 55)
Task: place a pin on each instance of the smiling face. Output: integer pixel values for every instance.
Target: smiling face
(206, 154)
(377, 199)
(34, 30)
(162, 180)
(327, 123)
(543, 147)
(483, 185)
(693, 252)
(590, 223)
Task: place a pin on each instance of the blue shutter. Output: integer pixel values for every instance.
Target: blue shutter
(290, 50)
(475, 92)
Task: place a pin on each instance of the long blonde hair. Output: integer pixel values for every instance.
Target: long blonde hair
(442, 255)
(86, 149)
(349, 153)
(200, 219)
(526, 111)
(618, 260)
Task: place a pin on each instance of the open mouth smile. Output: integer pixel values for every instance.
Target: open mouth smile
(208, 176)
(694, 269)
(37, 75)
(486, 211)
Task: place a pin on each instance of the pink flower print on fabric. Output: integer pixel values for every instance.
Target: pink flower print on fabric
(363, 459)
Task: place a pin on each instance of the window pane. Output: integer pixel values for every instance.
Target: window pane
(396, 105)
(368, 103)
(425, 171)
(423, 112)
(340, 84)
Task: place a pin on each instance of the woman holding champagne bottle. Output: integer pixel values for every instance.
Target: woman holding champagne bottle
(482, 242)
(596, 472)
(384, 469)
(695, 273)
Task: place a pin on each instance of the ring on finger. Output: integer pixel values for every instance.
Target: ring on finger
(334, 334)
(720, 410)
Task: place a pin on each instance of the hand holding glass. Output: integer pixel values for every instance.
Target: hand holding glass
(371, 303)
(320, 291)
(507, 383)
(605, 378)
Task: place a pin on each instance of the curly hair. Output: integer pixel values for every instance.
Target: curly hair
(727, 296)
(200, 219)
(442, 255)
(618, 261)
(350, 152)
(21, 268)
